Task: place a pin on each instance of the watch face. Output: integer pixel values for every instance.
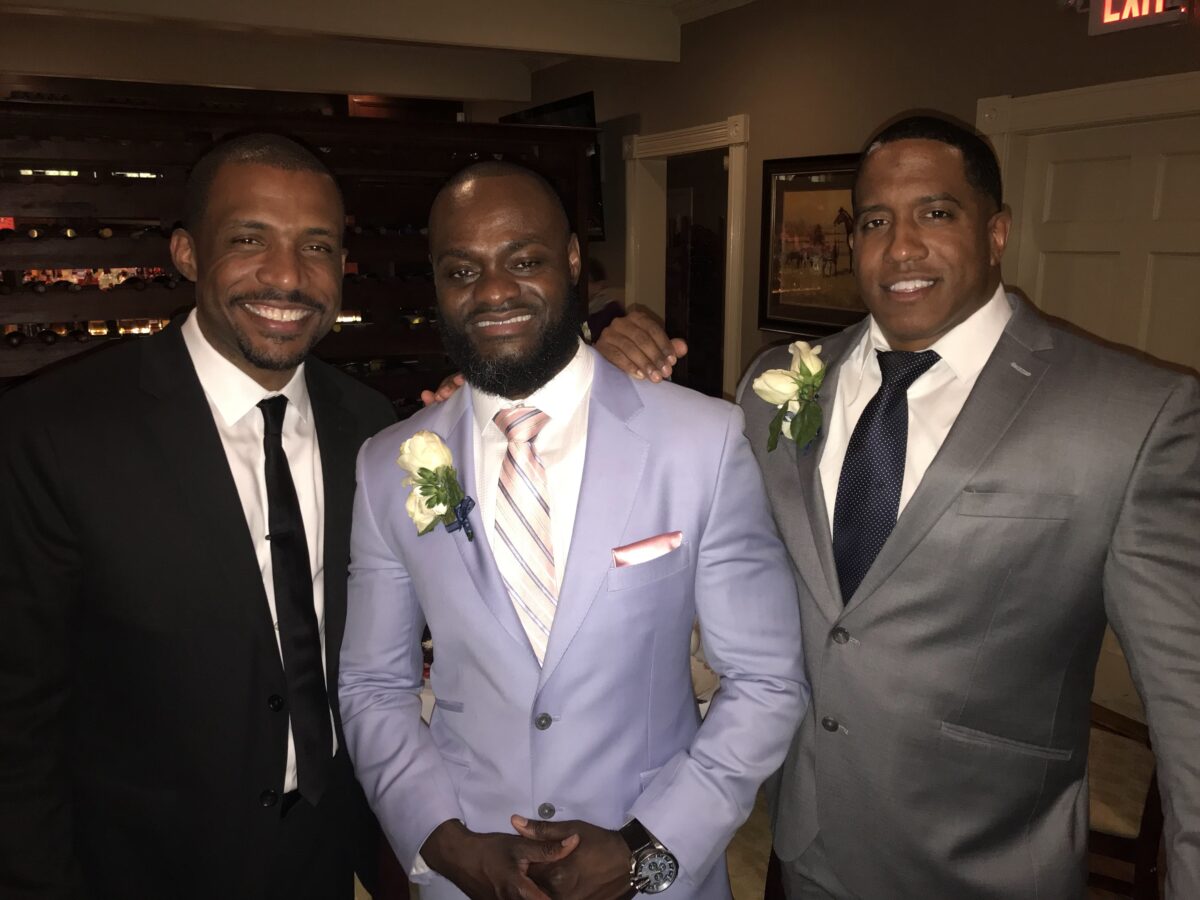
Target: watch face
(656, 871)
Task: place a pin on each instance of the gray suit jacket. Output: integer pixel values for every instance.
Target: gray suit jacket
(945, 752)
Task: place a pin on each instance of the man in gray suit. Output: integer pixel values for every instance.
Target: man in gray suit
(988, 489)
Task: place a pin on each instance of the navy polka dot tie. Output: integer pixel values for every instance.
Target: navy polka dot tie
(868, 497)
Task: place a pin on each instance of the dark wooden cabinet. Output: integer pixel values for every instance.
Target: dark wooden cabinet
(114, 175)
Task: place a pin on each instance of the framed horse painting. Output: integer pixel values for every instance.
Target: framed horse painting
(806, 278)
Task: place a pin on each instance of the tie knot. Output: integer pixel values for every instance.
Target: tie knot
(521, 424)
(900, 368)
(273, 409)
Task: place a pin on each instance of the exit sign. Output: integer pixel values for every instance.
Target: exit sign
(1118, 15)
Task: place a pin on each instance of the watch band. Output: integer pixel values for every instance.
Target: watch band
(636, 836)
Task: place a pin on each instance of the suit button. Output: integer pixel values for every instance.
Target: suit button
(546, 810)
(275, 702)
(829, 724)
(268, 798)
(542, 722)
(840, 635)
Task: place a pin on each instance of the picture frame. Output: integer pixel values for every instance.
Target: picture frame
(806, 284)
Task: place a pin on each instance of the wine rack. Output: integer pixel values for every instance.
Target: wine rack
(89, 196)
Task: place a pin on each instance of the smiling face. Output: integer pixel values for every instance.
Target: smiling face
(927, 245)
(267, 260)
(504, 266)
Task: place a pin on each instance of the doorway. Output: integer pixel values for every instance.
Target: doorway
(697, 199)
(648, 181)
(1104, 184)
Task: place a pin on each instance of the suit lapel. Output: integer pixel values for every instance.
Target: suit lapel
(1008, 379)
(192, 453)
(338, 443)
(826, 591)
(612, 474)
(477, 554)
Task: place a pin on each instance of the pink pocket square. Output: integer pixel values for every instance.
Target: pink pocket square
(645, 550)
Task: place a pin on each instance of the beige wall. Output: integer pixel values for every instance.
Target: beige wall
(817, 76)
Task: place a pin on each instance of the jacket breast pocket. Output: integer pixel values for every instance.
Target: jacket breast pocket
(1015, 506)
(622, 578)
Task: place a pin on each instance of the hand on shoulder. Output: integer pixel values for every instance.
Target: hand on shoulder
(637, 344)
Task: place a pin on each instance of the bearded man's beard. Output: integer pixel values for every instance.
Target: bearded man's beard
(517, 376)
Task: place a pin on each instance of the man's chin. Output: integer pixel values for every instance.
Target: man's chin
(276, 357)
(504, 350)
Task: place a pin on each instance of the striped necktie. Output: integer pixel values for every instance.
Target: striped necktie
(524, 551)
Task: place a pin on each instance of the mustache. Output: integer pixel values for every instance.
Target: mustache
(484, 310)
(296, 297)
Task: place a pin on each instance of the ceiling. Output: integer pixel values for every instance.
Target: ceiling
(454, 49)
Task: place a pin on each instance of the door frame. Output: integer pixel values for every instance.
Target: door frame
(1009, 122)
(646, 158)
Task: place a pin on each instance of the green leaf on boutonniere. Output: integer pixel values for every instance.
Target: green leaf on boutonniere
(775, 428)
(806, 424)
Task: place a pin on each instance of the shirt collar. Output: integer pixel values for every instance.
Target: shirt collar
(965, 347)
(558, 398)
(230, 390)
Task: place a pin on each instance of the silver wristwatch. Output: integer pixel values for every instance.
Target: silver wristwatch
(652, 868)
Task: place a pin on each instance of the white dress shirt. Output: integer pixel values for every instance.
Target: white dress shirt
(562, 445)
(233, 397)
(934, 400)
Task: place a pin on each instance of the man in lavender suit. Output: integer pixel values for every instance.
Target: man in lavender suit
(565, 755)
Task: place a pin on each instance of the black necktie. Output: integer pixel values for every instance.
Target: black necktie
(299, 633)
(868, 497)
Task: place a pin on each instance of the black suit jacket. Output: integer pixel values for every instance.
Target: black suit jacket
(137, 653)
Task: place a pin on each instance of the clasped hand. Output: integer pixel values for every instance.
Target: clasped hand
(572, 860)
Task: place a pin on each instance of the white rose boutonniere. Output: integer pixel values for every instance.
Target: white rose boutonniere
(794, 391)
(436, 494)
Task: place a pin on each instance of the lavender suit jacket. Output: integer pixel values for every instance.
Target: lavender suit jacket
(625, 738)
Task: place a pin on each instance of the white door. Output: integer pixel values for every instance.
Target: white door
(1109, 222)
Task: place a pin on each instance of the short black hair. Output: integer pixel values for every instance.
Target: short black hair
(491, 168)
(258, 148)
(979, 160)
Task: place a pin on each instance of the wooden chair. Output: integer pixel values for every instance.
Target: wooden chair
(1126, 819)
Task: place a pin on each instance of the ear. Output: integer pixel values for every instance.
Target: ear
(574, 259)
(183, 253)
(998, 228)
(342, 269)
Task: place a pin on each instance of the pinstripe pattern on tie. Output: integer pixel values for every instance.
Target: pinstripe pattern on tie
(523, 549)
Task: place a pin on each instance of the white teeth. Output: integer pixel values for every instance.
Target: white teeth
(493, 324)
(913, 284)
(276, 314)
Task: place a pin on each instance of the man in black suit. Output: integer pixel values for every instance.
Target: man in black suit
(173, 554)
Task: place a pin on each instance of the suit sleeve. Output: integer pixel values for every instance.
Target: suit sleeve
(39, 583)
(1152, 595)
(379, 685)
(750, 624)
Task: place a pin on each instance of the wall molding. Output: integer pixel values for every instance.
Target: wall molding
(715, 135)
